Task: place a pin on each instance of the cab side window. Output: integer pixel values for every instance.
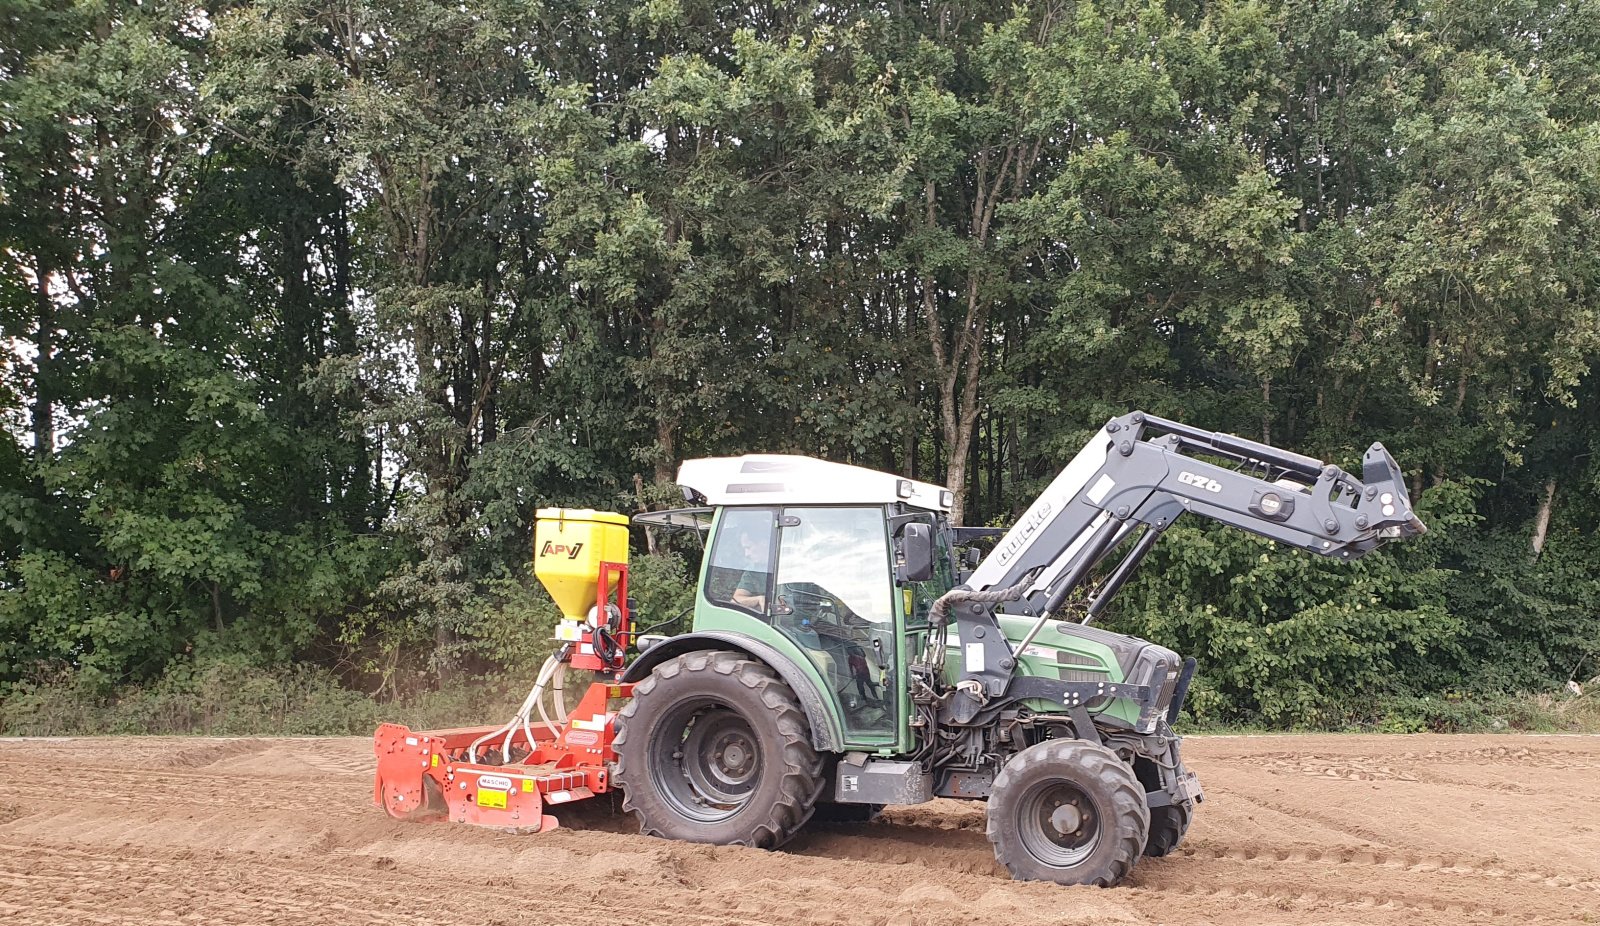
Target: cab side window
(740, 574)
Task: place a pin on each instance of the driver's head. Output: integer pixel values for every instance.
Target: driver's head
(753, 544)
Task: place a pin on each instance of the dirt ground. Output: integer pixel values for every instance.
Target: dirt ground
(1411, 830)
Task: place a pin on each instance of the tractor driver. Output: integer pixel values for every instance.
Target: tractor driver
(754, 552)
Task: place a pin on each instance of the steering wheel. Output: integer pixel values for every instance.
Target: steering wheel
(802, 596)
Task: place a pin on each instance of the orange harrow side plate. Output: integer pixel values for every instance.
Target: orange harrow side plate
(427, 775)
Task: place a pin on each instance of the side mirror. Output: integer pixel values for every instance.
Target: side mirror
(916, 552)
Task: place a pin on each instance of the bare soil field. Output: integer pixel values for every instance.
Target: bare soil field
(1411, 830)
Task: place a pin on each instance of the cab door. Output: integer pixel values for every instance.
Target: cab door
(915, 597)
(821, 578)
(832, 595)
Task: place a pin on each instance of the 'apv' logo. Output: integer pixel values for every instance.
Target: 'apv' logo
(552, 548)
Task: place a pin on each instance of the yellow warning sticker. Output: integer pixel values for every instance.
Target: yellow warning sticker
(488, 798)
(527, 784)
(436, 759)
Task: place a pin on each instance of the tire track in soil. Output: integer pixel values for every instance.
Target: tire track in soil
(199, 757)
(1325, 820)
(252, 881)
(373, 880)
(1350, 900)
(1415, 890)
(1411, 862)
(970, 851)
(1428, 776)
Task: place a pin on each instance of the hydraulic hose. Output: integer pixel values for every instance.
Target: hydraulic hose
(939, 613)
(524, 713)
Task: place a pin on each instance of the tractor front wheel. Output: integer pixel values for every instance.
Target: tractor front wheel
(714, 748)
(1167, 826)
(1068, 811)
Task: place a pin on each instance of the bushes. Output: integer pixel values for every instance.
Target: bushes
(224, 698)
(1284, 638)
(218, 698)
(1460, 630)
(223, 690)
(1456, 712)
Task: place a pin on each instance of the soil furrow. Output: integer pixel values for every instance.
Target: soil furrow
(1301, 831)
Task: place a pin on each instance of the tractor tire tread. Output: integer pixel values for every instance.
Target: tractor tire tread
(1167, 828)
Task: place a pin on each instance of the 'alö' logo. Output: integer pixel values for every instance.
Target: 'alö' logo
(552, 548)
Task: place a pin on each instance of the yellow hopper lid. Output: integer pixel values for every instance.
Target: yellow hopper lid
(582, 514)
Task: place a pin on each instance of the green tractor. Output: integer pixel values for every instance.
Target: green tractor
(849, 649)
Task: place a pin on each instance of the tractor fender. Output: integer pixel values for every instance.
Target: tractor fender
(825, 736)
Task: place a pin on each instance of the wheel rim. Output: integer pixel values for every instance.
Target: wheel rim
(1059, 823)
(706, 760)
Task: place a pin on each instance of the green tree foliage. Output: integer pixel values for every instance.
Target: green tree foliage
(308, 307)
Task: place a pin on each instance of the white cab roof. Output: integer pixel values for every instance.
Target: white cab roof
(778, 479)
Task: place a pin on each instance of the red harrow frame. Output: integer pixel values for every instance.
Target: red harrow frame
(427, 776)
(462, 775)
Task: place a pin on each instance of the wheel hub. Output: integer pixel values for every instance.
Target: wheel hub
(734, 758)
(728, 754)
(1066, 819)
(1058, 823)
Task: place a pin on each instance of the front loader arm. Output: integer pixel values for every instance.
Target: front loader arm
(1139, 473)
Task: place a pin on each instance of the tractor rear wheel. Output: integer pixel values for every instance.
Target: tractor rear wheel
(1068, 811)
(714, 748)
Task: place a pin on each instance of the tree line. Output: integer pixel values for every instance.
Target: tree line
(309, 306)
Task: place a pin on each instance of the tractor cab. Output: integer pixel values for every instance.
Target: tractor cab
(836, 567)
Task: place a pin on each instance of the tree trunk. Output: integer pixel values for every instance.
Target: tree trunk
(639, 502)
(1541, 523)
(957, 368)
(666, 446)
(1266, 410)
(44, 426)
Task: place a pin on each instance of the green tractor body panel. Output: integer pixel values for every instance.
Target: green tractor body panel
(1061, 651)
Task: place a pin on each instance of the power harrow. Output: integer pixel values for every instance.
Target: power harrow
(508, 777)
